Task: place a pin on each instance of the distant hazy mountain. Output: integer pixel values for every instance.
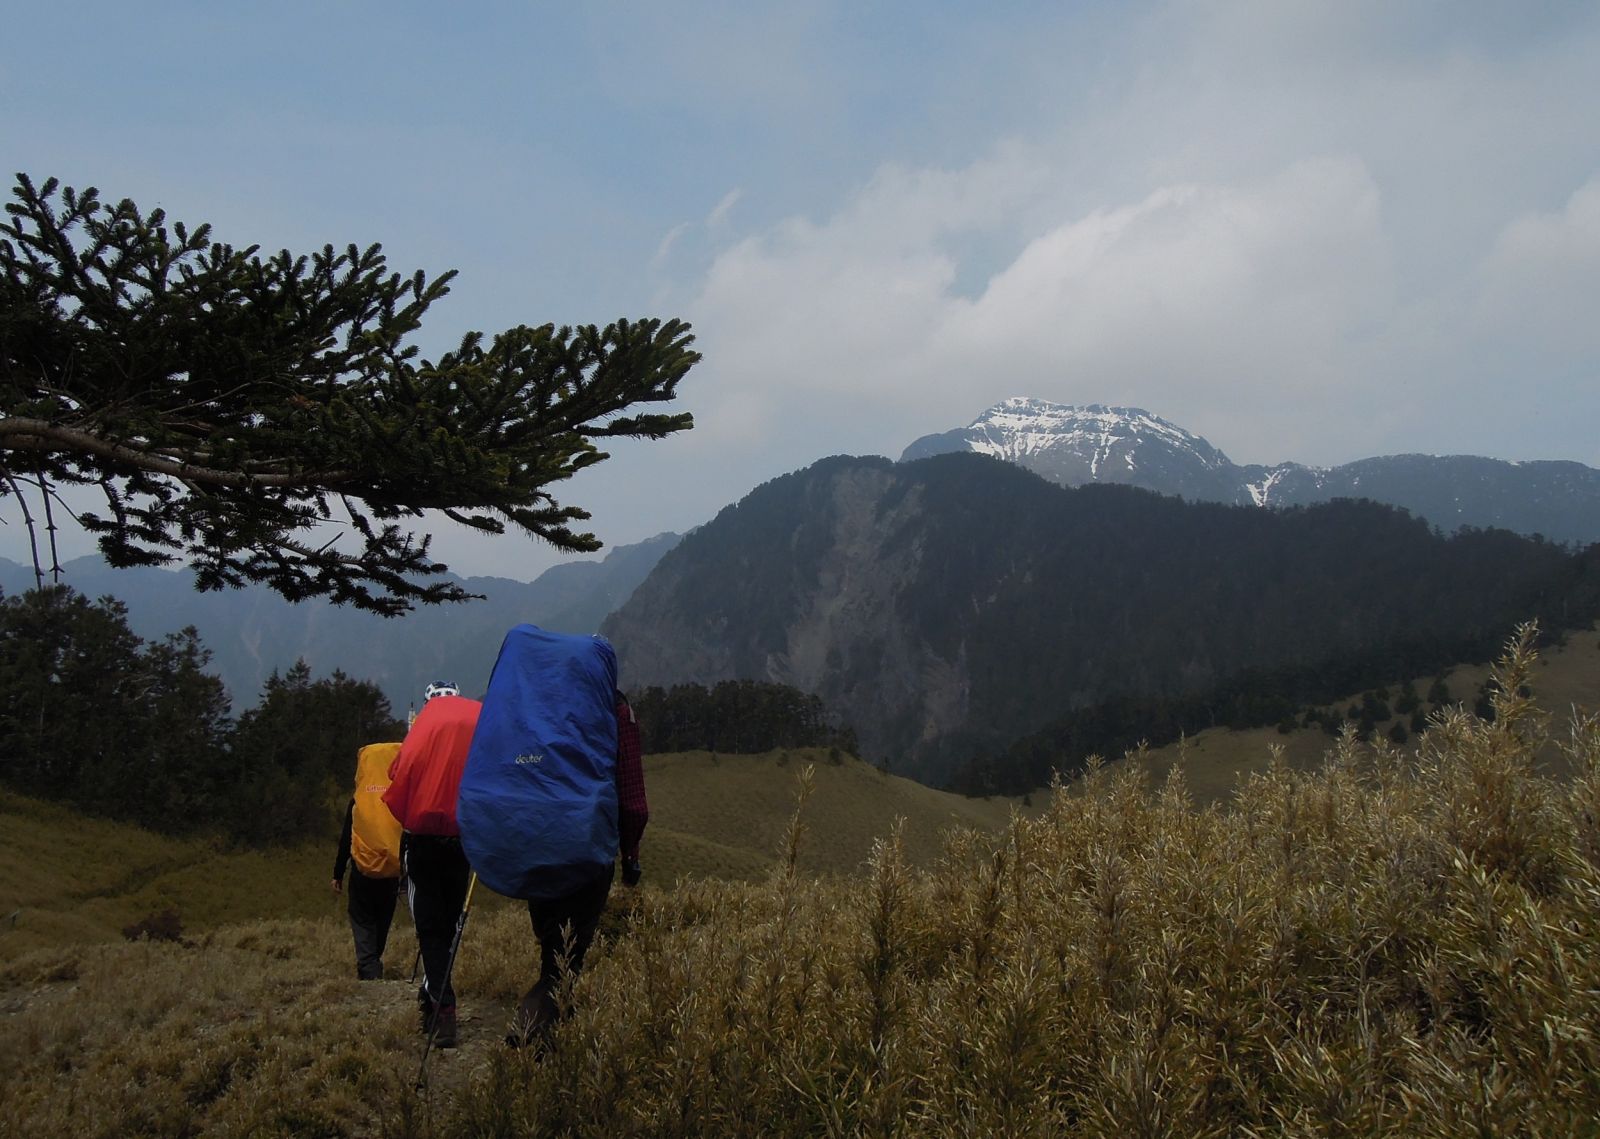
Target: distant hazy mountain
(1073, 446)
(252, 632)
(950, 606)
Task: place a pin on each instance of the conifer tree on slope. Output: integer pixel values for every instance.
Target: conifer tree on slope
(232, 410)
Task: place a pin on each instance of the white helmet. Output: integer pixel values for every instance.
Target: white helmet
(442, 688)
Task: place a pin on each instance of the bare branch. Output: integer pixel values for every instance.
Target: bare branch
(36, 435)
(33, 537)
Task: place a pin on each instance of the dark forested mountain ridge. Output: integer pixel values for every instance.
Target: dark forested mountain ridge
(1558, 500)
(1074, 446)
(950, 606)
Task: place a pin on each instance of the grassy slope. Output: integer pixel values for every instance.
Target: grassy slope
(65, 878)
(1219, 760)
(724, 816)
(69, 879)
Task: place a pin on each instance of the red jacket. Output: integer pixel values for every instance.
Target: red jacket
(426, 775)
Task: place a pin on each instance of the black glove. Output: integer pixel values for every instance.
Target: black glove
(631, 871)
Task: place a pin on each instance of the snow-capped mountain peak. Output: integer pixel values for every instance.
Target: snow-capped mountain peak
(1080, 444)
(1021, 426)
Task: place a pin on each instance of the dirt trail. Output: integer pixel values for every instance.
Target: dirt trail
(480, 1034)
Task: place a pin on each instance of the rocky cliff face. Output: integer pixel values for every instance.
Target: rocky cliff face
(801, 584)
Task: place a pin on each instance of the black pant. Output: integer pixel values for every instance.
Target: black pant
(564, 926)
(371, 910)
(437, 869)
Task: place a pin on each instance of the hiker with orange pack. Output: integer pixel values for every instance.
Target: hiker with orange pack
(369, 846)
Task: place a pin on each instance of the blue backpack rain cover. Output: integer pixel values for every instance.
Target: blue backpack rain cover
(538, 800)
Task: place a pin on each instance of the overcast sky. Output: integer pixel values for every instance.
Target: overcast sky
(1305, 230)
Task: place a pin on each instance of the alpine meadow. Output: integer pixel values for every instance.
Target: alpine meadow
(908, 571)
(1389, 943)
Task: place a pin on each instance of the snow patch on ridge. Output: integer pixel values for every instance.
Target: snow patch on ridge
(1261, 492)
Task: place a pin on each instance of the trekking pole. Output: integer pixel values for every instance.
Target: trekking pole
(405, 888)
(450, 965)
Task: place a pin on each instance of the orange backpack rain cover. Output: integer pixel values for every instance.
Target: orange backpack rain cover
(374, 831)
(427, 773)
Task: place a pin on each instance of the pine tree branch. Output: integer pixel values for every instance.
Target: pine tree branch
(218, 397)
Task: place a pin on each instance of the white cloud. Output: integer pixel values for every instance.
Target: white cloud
(1253, 288)
(848, 305)
(664, 250)
(1541, 281)
(718, 216)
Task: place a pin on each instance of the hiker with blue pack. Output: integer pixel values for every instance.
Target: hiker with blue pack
(552, 793)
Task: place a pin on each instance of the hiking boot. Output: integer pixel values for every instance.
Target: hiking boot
(444, 1032)
(535, 1042)
(528, 1030)
(526, 1035)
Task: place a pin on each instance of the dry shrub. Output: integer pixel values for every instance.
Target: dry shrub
(164, 925)
(247, 1031)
